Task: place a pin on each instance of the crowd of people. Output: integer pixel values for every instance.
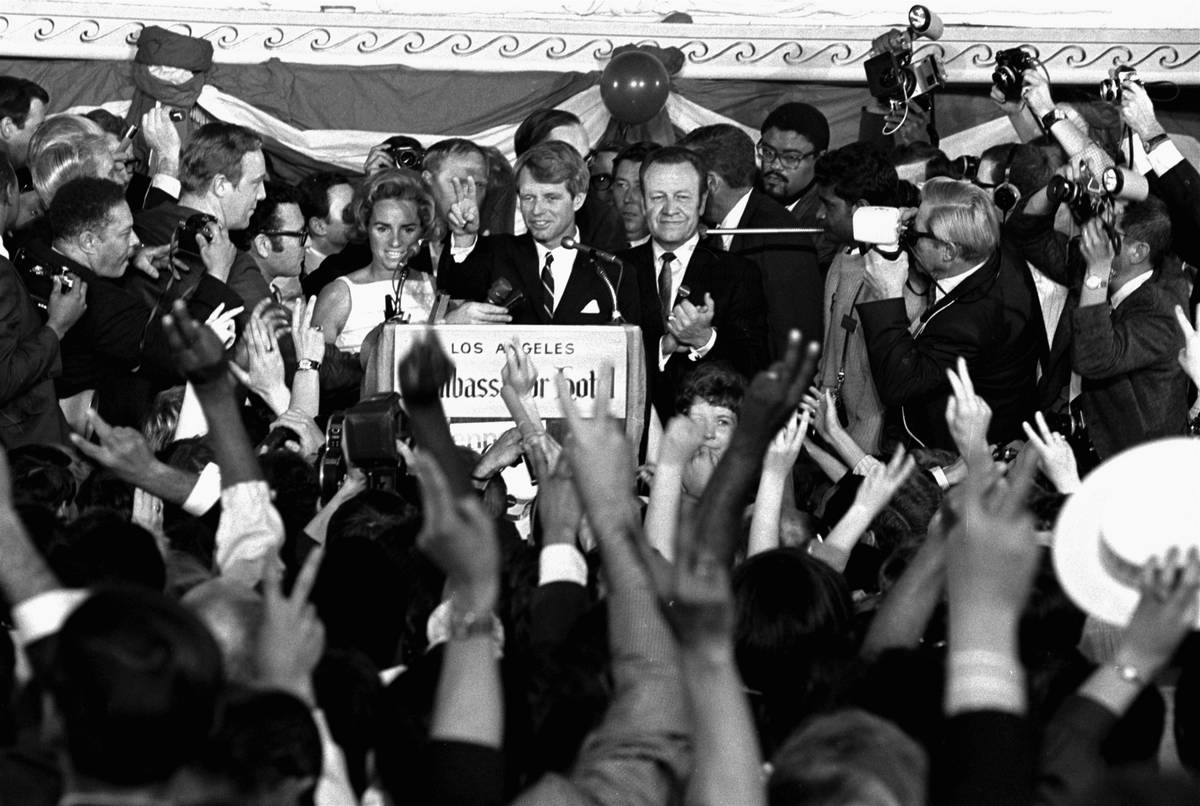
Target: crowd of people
(823, 576)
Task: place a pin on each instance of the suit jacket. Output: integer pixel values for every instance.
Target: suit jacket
(29, 362)
(787, 265)
(739, 317)
(1133, 387)
(515, 258)
(993, 320)
(118, 346)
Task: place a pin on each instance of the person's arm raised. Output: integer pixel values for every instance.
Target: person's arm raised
(776, 475)
(770, 400)
(679, 443)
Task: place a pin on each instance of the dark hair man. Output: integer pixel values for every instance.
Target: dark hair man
(787, 264)
(721, 315)
(560, 285)
(223, 173)
(627, 190)
(118, 339)
(984, 310)
(22, 110)
(848, 178)
(30, 350)
(794, 135)
(1125, 338)
(275, 241)
(325, 204)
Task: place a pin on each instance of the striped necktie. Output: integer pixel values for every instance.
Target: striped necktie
(548, 287)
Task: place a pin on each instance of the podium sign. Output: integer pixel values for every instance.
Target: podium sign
(581, 352)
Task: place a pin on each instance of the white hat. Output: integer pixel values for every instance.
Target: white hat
(1131, 508)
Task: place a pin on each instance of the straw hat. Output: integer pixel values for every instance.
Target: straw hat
(1133, 507)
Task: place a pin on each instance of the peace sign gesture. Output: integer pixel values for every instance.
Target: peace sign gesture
(291, 637)
(463, 215)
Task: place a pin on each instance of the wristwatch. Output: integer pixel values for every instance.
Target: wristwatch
(1095, 281)
(1052, 117)
(1155, 141)
(307, 364)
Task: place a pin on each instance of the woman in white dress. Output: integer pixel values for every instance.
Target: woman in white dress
(396, 211)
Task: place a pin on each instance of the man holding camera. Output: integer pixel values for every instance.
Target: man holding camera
(223, 174)
(116, 348)
(984, 308)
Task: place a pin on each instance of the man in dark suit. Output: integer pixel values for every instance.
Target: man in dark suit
(985, 309)
(787, 264)
(721, 316)
(29, 349)
(560, 285)
(1125, 338)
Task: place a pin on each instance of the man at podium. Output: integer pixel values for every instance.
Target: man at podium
(545, 275)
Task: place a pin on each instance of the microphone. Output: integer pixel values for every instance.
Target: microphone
(499, 291)
(591, 251)
(607, 257)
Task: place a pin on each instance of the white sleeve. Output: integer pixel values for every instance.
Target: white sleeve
(206, 492)
(333, 789)
(43, 615)
(561, 562)
(1164, 157)
(167, 184)
(249, 533)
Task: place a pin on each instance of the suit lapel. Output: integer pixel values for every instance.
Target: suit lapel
(985, 276)
(699, 275)
(582, 288)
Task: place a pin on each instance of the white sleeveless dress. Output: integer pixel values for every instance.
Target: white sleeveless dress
(367, 302)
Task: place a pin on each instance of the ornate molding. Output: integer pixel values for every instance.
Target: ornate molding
(788, 50)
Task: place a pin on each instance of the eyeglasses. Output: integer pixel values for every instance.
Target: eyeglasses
(790, 160)
(281, 233)
(600, 181)
(913, 235)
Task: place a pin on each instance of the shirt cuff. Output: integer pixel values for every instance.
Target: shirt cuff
(984, 681)
(561, 562)
(437, 628)
(1164, 157)
(662, 359)
(249, 533)
(696, 353)
(459, 253)
(206, 492)
(167, 184)
(865, 464)
(42, 615)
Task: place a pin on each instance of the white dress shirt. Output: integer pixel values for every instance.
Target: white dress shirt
(560, 268)
(733, 218)
(683, 256)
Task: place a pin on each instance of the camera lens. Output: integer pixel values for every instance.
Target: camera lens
(1110, 90)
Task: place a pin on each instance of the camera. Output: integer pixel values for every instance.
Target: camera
(185, 234)
(366, 435)
(1121, 183)
(965, 167)
(405, 157)
(1062, 190)
(892, 75)
(39, 278)
(877, 225)
(1110, 88)
(177, 115)
(1011, 65)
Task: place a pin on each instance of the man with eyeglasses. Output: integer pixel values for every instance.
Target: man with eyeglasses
(794, 135)
(273, 255)
(984, 309)
(787, 263)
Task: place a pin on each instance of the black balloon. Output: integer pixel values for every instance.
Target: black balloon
(634, 86)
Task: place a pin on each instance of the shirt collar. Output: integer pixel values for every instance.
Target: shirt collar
(734, 216)
(1133, 285)
(944, 287)
(683, 252)
(3, 251)
(562, 255)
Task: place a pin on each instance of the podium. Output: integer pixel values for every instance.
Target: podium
(471, 398)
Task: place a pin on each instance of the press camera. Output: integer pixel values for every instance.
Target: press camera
(892, 75)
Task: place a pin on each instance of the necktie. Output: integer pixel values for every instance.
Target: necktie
(548, 287)
(664, 284)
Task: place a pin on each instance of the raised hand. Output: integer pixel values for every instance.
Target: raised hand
(559, 509)
(694, 594)
(122, 450)
(502, 453)
(967, 414)
(1137, 110)
(785, 448)
(882, 481)
(819, 406)
(163, 139)
(1096, 249)
(217, 252)
(459, 537)
(291, 637)
(680, 441)
(1055, 456)
(463, 215)
(264, 375)
(197, 350)
(308, 338)
(65, 308)
(774, 393)
(1165, 614)
(1035, 91)
(1189, 355)
(424, 370)
(518, 371)
(222, 323)
(311, 437)
(377, 160)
